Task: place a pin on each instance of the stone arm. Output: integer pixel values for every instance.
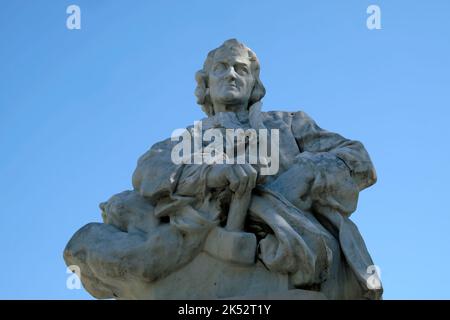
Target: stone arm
(156, 175)
(330, 170)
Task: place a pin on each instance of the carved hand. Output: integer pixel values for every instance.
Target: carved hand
(241, 178)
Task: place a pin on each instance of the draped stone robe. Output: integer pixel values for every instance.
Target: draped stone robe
(300, 215)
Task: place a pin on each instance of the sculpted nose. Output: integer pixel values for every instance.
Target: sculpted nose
(231, 74)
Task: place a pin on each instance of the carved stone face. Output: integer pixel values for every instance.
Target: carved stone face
(230, 79)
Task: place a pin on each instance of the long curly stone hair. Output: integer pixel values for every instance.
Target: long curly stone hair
(202, 89)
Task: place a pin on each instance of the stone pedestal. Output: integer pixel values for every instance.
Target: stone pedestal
(209, 278)
(226, 269)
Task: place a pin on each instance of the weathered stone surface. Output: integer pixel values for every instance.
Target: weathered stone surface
(208, 278)
(235, 247)
(273, 226)
(294, 294)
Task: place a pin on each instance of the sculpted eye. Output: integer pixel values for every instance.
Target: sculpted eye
(219, 67)
(241, 69)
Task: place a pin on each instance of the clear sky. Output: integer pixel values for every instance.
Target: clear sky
(78, 107)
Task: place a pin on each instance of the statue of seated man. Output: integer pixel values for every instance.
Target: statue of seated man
(214, 229)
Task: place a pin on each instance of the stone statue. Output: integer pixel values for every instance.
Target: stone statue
(226, 227)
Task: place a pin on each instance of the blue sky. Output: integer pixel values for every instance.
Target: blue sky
(78, 107)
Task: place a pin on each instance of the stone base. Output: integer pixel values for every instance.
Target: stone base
(226, 269)
(294, 294)
(207, 277)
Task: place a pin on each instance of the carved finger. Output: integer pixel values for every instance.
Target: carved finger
(243, 179)
(252, 174)
(232, 179)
